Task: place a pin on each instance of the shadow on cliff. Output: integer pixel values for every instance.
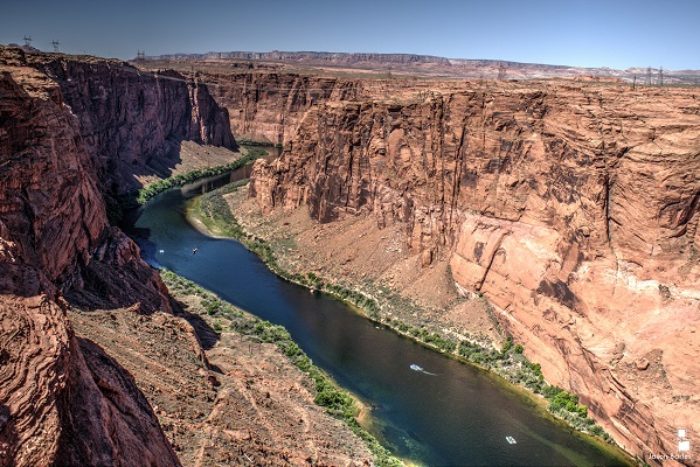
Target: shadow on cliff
(205, 334)
(121, 181)
(8, 435)
(103, 414)
(107, 293)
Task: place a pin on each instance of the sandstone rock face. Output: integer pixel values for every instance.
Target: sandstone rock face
(53, 216)
(131, 122)
(62, 399)
(268, 106)
(573, 207)
(69, 132)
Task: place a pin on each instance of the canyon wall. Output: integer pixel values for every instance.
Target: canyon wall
(131, 122)
(265, 106)
(268, 106)
(572, 207)
(70, 130)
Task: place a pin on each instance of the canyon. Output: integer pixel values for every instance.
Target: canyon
(572, 206)
(77, 136)
(63, 399)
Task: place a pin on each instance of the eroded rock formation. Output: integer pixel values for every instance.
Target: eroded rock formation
(573, 207)
(69, 131)
(131, 122)
(269, 106)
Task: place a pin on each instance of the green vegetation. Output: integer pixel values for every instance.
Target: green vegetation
(508, 362)
(155, 188)
(336, 401)
(507, 345)
(213, 210)
(512, 365)
(254, 143)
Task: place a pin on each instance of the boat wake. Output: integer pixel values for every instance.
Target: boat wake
(420, 369)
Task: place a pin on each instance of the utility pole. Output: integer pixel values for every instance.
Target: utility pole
(27, 41)
(55, 45)
(647, 81)
(501, 71)
(661, 76)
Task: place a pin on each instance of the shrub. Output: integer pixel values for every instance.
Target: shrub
(507, 345)
(155, 188)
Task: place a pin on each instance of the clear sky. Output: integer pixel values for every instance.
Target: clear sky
(614, 33)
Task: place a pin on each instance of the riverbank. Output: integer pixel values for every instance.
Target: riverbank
(155, 188)
(252, 142)
(222, 397)
(212, 213)
(224, 317)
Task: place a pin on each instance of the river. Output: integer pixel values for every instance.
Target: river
(449, 414)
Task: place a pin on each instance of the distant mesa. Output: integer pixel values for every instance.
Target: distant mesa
(430, 65)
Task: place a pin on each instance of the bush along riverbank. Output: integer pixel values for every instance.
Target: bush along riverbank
(153, 189)
(226, 317)
(508, 362)
(252, 142)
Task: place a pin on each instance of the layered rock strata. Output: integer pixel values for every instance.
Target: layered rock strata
(573, 208)
(131, 122)
(69, 132)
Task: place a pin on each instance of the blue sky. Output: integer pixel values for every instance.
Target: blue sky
(611, 33)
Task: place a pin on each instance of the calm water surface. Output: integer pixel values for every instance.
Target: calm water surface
(455, 416)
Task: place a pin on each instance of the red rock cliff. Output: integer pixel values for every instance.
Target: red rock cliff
(574, 208)
(265, 106)
(70, 132)
(131, 121)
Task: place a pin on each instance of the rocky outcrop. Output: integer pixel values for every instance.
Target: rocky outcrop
(131, 122)
(70, 129)
(265, 106)
(574, 208)
(63, 401)
(53, 217)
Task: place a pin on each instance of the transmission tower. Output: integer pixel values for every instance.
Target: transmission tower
(647, 81)
(55, 45)
(140, 55)
(501, 71)
(634, 83)
(27, 40)
(661, 76)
